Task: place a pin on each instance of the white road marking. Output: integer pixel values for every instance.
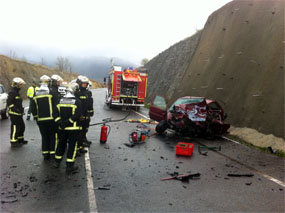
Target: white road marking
(255, 170)
(230, 140)
(141, 115)
(90, 185)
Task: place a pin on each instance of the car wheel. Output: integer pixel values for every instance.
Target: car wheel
(4, 115)
(161, 127)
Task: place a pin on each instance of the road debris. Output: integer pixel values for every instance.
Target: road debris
(219, 148)
(9, 200)
(183, 178)
(104, 187)
(240, 175)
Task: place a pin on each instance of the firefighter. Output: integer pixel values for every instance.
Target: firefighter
(56, 80)
(86, 99)
(16, 112)
(42, 109)
(67, 115)
(30, 93)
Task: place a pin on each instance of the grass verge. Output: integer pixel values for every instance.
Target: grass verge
(278, 152)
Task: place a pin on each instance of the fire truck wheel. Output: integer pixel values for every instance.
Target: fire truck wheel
(161, 127)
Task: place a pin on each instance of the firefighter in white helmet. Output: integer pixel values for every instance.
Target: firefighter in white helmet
(56, 80)
(87, 111)
(42, 109)
(16, 112)
(67, 114)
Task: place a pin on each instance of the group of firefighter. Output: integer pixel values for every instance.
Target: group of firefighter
(62, 119)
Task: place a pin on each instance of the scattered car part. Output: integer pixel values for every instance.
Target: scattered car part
(240, 175)
(219, 148)
(184, 177)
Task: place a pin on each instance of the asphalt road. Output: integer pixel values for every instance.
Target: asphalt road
(124, 179)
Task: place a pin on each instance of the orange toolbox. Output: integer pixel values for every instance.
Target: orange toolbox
(185, 149)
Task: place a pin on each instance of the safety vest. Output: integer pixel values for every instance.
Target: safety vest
(31, 91)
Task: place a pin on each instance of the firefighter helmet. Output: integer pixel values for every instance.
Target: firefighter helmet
(44, 79)
(82, 79)
(73, 87)
(17, 81)
(56, 78)
(89, 84)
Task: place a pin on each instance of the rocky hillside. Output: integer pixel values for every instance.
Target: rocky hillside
(10, 68)
(237, 59)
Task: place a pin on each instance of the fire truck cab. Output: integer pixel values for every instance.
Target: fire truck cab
(126, 87)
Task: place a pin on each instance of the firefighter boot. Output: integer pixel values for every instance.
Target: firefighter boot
(22, 141)
(82, 150)
(71, 168)
(46, 157)
(56, 163)
(28, 117)
(15, 144)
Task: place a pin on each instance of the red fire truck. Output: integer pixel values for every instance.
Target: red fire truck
(126, 87)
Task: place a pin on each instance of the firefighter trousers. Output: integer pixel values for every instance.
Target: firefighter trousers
(82, 133)
(30, 107)
(17, 128)
(69, 137)
(47, 130)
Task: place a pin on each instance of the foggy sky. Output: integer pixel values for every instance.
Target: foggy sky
(128, 29)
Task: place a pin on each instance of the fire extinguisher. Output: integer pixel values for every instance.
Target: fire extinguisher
(104, 133)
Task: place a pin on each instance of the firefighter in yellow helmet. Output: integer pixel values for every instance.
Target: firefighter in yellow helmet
(30, 93)
(16, 112)
(42, 109)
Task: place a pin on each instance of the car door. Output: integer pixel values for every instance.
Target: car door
(158, 109)
(3, 98)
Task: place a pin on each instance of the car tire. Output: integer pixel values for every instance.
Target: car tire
(4, 115)
(161, 127)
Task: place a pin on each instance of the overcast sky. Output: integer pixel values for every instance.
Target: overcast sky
(128, 29)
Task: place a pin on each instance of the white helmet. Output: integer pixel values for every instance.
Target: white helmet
(70, 90)
(16, 81)
(56, 78)
(74, 86)
(44, 78)
(73, 81)
(83, 79)
(89, 84)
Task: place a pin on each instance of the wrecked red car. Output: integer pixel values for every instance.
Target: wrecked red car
(193, 116)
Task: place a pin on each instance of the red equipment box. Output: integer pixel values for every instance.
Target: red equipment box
(185, 149)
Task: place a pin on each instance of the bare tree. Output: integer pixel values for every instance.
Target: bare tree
(144, 61)
(63, 64)
(12, 54)
(42, 61)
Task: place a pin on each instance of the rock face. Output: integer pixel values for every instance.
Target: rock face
(237, 59)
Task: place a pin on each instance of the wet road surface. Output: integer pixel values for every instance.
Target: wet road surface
(128, 179)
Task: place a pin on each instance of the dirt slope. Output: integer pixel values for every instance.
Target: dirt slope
(10, 68)
(239, 61)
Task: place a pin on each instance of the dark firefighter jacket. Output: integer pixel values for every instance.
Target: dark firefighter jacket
(55, 94)
(14, 102)
(86, 99)
(67, 113)
(42, 106)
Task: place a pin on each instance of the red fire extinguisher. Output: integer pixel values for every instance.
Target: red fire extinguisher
(104, 134)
